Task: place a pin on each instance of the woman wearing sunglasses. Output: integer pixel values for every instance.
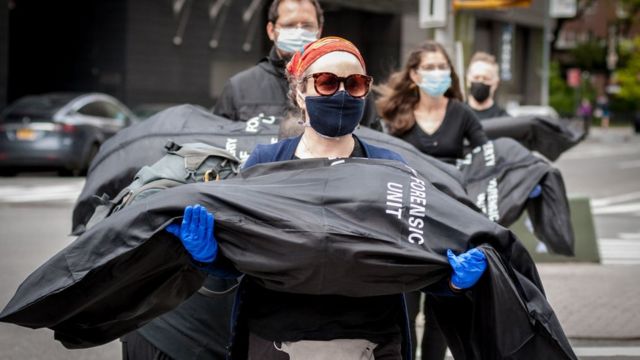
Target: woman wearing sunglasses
(422, 104)
(328, 83)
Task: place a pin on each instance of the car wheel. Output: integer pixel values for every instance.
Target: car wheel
(68, 172)
(8, 173)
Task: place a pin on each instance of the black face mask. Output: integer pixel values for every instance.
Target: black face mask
(480, 91)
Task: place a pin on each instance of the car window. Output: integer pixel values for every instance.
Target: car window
(93, 109)
(35, 108)
(104, 109)
(116, 113)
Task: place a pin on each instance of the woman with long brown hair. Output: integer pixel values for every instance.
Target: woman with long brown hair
(422, 104)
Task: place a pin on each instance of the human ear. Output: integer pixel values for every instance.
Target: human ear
(271, 31)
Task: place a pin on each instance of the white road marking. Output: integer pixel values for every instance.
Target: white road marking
(40, 193)
(617, 209)
(599, 152)
(584, 351)
(619, 251)
(615, 199)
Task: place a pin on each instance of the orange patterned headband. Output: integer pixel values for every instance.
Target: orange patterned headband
(301, 61)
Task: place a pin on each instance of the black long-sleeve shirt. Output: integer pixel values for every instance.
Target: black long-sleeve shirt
(447, 142)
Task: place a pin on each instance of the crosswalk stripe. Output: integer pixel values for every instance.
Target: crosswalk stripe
(25, 194)
(615, 199)
(619, 251)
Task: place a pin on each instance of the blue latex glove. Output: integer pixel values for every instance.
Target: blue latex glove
(196, 233)
(535, 192)
(467, 267)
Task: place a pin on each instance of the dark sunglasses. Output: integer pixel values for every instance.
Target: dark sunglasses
(327, 84)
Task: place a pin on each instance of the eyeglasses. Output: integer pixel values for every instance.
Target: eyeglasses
(327, 84)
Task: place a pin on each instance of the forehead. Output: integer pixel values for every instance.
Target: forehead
(432, 57)
(482, 68)
(340, 63)
(291, 12)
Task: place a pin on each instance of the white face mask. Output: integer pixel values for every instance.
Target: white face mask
(290, 40)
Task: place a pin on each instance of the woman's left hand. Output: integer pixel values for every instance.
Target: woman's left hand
(468, 267)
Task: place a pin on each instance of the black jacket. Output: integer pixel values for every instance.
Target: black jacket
(263, 89)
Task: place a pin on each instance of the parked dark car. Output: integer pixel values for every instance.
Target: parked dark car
(60, 131)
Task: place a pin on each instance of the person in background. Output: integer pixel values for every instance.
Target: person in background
(602, 110)
(422, 104)
(261, 91)
(584, 112)
(328, 86)
(483, 80)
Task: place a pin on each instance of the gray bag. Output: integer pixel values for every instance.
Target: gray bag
(183, 164)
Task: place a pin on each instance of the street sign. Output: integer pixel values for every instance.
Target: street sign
(489, 4)
(563, 8)
(432, 13)
(506, 52)
(573, 77)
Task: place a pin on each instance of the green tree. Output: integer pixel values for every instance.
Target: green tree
(561, 96)
(628, 74)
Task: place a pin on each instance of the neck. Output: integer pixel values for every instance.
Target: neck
(314, 145)
(480, 105)
(430, 103)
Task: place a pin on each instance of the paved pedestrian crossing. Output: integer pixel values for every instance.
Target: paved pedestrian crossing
(34, 193)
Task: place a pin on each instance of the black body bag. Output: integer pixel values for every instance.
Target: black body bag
(499, 177)
(122, 155)
(550, 137)
(354, 227)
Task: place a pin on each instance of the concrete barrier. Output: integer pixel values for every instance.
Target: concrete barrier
(586, 246)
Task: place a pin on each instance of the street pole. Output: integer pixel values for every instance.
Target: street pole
(446, 35)
(546, 47)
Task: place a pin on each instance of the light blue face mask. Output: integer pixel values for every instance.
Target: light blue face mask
(435, 82)
(290, 40)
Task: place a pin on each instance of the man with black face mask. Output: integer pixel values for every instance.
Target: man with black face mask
(483, 80)
(262, 89)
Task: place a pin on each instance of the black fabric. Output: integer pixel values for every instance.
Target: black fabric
(279, 316)
(550, 137)
(198, 329)
(499, 177)
(491, 112)
(433, 345)
(334, 216)
(135, 347)
(263, 89)
(122, 155)
(447, 142)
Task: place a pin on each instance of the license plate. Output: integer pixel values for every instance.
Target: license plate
(25, 134)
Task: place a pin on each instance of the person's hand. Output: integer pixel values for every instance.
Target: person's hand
(467, 267)
(196, 233)
(537, 191)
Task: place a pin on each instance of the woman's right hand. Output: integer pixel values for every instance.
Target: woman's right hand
(196, 233)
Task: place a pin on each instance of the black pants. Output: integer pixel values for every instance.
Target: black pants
(136, 347)
(433, 344)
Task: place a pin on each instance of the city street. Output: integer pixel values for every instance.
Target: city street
(596, 303)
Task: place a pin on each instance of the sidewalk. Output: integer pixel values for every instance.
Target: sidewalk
(594, 301)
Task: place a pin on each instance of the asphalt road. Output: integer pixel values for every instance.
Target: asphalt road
(35, 213)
